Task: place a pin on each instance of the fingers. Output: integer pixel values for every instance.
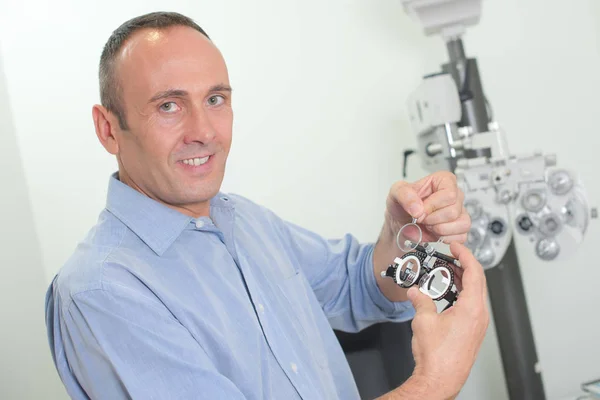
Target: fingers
(458, 272)
(408, 198)
(461, 238)
(438, 190)
(435, 182)
(422, 303)
(456, 226)
(436, 202)
(412, 233)
(473, 277)
(443, 200)
(444, 206)
(464, 255)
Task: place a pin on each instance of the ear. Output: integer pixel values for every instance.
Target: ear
(106, 127)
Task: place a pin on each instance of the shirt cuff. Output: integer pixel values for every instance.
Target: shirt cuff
(390, 308)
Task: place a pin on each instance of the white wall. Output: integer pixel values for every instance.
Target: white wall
(26, 369)
(320, 90)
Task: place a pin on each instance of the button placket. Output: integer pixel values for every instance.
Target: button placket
(273, 333)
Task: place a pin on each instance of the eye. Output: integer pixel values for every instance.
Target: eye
(169, 107)
(215, 100)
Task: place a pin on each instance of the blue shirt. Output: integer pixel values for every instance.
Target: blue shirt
(154, 304)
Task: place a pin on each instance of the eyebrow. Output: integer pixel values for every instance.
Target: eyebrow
(221, 88)
(182, 93)
(168, 93)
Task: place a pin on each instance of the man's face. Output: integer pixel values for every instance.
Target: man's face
(177, 102)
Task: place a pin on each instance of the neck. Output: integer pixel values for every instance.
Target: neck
(195, 210)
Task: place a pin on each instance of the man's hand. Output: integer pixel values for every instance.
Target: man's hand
(446, 345)
(437, 204)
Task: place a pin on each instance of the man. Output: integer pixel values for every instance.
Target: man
(183, 292)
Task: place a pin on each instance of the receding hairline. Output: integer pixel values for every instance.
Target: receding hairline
(116, 45)
(127, 43)
(139, 35)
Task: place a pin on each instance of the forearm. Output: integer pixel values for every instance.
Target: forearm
(415, 388)
(386, 250)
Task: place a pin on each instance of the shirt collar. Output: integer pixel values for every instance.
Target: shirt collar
(154, 223)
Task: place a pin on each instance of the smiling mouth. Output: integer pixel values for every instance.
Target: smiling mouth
(196, 161)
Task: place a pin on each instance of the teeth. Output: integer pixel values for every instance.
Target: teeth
(196, 161)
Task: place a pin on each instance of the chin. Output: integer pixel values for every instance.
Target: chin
(188, 191)
(203, 194)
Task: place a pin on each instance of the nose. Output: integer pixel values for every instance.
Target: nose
(200, 128)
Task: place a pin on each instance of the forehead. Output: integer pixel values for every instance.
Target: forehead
(175, 57)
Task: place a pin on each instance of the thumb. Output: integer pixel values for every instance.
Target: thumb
(407, 197)
(420, 301)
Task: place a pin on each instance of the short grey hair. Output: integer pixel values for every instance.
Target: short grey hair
(110, 87)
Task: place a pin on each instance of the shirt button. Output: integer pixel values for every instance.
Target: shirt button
(294, 367)
(261, 308)
(199, 224)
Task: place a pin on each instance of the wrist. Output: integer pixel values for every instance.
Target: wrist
(435, 384)
(421, 386)
(416, 387)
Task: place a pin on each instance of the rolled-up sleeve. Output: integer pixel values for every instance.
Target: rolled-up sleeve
(341, 275)
(119, 344)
